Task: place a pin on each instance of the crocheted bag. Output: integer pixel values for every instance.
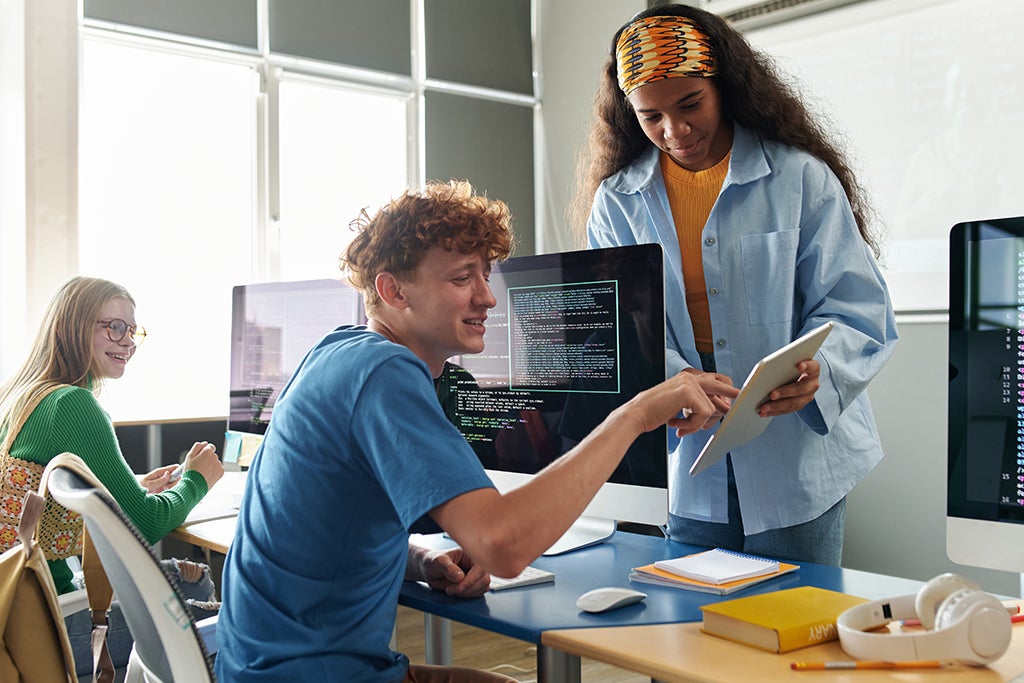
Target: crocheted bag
(34, 644)
(60, 530)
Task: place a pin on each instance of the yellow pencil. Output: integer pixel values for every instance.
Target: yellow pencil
(824, 666)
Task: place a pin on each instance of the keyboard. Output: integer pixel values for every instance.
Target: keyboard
(231, 499)
(528, 577)
(228, 491)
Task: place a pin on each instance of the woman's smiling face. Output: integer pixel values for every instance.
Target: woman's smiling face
(682, 116)
(110, 355)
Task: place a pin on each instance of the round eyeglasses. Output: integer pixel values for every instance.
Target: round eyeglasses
(117, 329)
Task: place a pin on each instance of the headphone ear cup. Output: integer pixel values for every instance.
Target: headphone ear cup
(932, 594)
(987, 624)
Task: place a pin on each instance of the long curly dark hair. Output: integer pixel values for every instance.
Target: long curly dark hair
(752, 95)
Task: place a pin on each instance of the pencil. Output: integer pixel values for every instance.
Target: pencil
(825, 666)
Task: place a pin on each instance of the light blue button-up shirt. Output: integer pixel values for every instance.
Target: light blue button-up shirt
(782, 255)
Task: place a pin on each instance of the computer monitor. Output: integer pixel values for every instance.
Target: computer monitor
(573, 336)
(273, 325)
(985, 493)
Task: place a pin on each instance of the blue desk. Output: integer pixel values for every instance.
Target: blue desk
(525, 613)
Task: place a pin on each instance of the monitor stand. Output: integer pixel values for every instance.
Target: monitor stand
(585, 531)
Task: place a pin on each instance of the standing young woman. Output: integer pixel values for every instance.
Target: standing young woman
(87, 335)
(698, 145)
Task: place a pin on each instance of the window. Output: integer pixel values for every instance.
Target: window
(342, 150)
(238, 147)
(166, 208)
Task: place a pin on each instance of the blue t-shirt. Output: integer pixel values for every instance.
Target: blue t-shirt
(358, 450)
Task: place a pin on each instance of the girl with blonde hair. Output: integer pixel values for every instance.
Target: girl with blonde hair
(88, 335)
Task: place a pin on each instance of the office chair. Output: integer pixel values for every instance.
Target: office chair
(168, 645)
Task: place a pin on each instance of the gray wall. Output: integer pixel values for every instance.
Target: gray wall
(896, 516)
(574, 43)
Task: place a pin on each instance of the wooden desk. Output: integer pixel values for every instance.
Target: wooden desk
(680, 653)
(214, 535)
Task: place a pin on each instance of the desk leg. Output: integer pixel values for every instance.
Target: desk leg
(437, 632)
(154, 447)
(154, 458)
(555, 666)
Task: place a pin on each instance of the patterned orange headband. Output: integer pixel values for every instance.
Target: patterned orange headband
(660, 47)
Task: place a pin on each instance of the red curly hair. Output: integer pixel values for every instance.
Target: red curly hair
(448, 215)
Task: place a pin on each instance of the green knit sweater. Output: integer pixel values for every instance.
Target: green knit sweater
(71, 420)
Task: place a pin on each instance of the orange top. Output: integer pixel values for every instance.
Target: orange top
(691, 195)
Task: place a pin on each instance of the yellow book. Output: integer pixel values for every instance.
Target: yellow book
(781, 621)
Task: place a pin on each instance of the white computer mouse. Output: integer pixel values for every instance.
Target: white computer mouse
(604, 599)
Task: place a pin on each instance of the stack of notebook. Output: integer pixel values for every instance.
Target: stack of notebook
(713, 571)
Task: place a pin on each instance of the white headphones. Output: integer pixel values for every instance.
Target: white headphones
(964, 623)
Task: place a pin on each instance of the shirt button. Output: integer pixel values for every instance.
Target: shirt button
(713, 291)
(710, 241)
(720, 343)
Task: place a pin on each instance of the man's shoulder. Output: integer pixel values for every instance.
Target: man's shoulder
(361, 355)
(360, 345)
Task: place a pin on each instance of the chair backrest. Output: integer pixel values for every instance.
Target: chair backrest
(166, 641)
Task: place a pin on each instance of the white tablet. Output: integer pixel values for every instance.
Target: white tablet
(742, 423)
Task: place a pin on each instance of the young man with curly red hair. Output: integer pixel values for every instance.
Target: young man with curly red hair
(359, 454)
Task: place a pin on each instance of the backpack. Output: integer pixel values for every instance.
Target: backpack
(35, 647)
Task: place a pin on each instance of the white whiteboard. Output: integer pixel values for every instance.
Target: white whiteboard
(929, 94)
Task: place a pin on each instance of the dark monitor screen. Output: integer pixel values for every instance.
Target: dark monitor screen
(985, 477)
(273, 325)
(573, 336)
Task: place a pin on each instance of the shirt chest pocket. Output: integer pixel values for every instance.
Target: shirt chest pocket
(769, 275)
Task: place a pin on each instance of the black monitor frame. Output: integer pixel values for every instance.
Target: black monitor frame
(545, 380)
(985, 452)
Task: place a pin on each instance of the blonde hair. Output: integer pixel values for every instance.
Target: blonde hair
(62, 352)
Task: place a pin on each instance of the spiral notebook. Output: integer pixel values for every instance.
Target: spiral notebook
(719, 566)
(716, 571)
